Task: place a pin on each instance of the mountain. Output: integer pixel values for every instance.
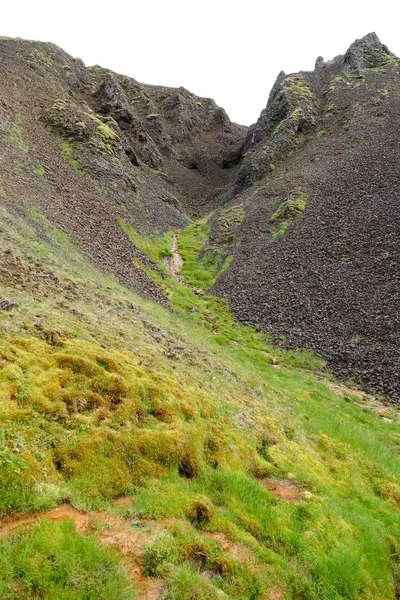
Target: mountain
(316, 256)
(90, 147)
(314, 227)
(153, 443)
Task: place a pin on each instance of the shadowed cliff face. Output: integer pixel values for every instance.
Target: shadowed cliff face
(306, 200)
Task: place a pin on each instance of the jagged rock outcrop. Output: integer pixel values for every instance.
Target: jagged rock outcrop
(88, 147)
(291, 109)
(367, 53)
(317, 255)
(112, 100)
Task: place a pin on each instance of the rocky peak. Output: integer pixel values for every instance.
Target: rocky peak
(112, 100)
(367, 53)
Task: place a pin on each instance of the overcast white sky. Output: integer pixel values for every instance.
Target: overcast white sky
(227, 50)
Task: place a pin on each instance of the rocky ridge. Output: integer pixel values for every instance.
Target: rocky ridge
(317, 254)
(88, 147)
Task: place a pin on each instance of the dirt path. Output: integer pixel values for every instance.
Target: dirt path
(174, 263)
(128, 536)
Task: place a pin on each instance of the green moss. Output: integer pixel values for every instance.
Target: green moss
(288, 211)
(282, 227)
(39, 171)
(228, 220)
(103, 129)
(385, 61)
(330, 109)
(16, 137)
(297, 87)
(156, 248)
(68, 147)
(292, 209)
(345, 123)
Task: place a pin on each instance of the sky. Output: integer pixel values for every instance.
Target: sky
(231, 51)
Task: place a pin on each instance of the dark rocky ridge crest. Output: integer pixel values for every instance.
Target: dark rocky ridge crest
(327, 278)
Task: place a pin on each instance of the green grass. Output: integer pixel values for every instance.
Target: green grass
(202, 266)
(156, 248)
(39, 171)
(186, 411)
(16, 136)
(52, 561)
(67, 147)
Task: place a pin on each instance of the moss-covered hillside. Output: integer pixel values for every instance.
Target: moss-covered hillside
(151, 452)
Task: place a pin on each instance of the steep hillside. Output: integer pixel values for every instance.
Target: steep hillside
(90, 147)
(173, 454)
(306, 202)
(152, 446)
(316, 255)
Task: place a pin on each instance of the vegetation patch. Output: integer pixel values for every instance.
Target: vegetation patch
(104, 394)
(228, 220)
(156, 248)
(287, 212)
(52, 561)
(201, 265)
(16, 137)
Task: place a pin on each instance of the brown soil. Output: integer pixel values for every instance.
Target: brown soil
(386, 412)
(276, 594)
(61, 513)
(238, 551)
(284, 490)
(129, 537)
(174, 263)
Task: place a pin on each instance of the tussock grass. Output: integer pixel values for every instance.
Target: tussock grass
(104, 394)
(155, 247)
(52, 561)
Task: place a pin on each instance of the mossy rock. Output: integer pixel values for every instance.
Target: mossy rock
(290, 210)
(228, 221)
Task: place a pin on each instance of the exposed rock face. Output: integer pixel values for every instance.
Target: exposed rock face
(329, 278)
(112, 100)
(291, 109)
(367, 53)
(88, 147)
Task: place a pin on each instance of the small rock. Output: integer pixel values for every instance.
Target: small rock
(7, 304)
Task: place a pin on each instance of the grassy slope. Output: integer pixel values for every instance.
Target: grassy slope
(103, 394)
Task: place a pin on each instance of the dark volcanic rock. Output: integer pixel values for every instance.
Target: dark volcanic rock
(291, 110)
(330, 279)
(367, 53)
(89, 147)
(112, 100)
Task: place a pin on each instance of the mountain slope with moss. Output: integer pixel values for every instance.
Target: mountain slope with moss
(192, 419)
(316, 257)
(152, 446)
